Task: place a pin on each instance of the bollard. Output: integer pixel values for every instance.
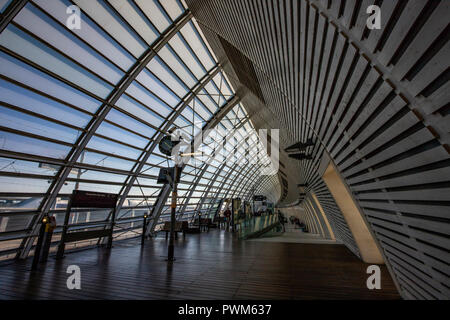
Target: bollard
(37, 250)
(144, 229)
(49, 228)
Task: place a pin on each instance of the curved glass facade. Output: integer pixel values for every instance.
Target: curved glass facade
(84, 109)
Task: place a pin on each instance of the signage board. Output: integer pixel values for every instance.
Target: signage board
(88, 199)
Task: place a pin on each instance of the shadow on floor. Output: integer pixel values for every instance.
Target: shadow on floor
(212, 265)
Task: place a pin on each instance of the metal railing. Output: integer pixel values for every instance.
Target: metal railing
(254, 227)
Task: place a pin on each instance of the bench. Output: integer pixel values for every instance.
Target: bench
(218, 222)
(180, 226)
(204, 224)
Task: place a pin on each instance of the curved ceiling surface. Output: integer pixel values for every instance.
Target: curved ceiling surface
(85, 109)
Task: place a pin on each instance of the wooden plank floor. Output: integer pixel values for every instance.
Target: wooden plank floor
(211, 265)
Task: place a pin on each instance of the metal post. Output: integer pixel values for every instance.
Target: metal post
(144, 229)
(61, 247)
(47, 239)
(10, 12)
(111, 233)
(173, 206)
(79, 173)
(232, 215)
(37, 250)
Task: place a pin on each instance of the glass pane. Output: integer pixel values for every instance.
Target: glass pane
(153, 11)
(4, 4)
(177, 66)
(138, 21)
(25, 99)
(101, 160)
(17, 143)
(153, 84)
(182, 50)
(160, 69)
(60, 37)
(105, 17)
(148, 99)
(191, 35)
(23, 122)
(14, 69)
(90, 33)
(100, 144)
(113, 132)
(173, 8)
(28, 47)
(128, 122)
(135, 108)
(23, 185)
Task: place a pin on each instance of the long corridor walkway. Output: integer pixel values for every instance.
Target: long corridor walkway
(212, 265)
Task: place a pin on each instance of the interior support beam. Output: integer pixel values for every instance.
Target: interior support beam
(313, 214)
(324, 216)
(11, 11)
(370, 253)
(159, 205)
